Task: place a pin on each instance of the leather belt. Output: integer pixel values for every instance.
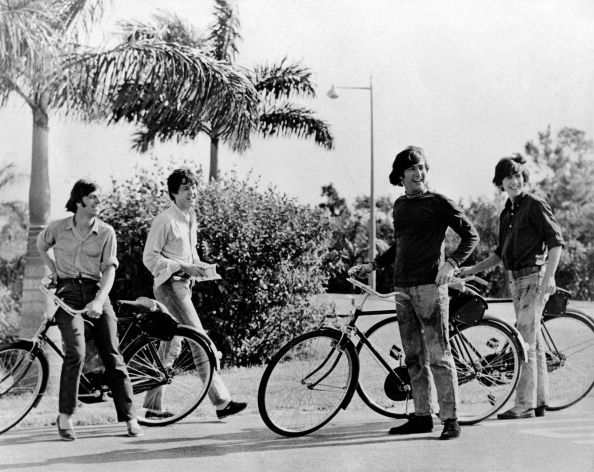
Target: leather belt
(516, 274)
(77, 281)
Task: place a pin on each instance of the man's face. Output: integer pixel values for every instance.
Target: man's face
(90, 204)
(513, 185)
(185, 198)
(414, 177)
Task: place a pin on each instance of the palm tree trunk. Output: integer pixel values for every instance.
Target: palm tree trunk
(34, 303)
(214, 159)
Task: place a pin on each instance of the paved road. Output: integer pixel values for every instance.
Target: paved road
(355, 441)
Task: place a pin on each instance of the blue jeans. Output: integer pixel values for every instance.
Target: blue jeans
(176, 295)
(423, 322)
(533, 385)
(104, 332)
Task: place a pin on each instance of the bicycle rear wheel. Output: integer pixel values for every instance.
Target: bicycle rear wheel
(385, 389)
(23, 379)
(169, 378)
(487, 359)
(569, 348)
(307, 382)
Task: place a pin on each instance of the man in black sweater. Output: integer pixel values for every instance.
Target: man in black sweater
(421, 275)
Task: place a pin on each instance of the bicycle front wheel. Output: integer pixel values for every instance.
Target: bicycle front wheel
(307, 382)
(23, 379)
(384, 382)
(569, 348)
(169, 378)
(487, 360)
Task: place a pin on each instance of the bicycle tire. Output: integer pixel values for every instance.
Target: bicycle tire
(569, 348)
(385, 391)
(488, 358)
(24, 373)
(307, 382)
(172, 387)
(485, 382)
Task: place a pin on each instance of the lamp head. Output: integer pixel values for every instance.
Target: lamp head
(332, 93)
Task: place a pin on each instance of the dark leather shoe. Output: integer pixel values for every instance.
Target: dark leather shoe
(415, 425)
(451, 429)
(158, 415)
(231, 409)
(67, 434)
(540, 410)
(515, 415)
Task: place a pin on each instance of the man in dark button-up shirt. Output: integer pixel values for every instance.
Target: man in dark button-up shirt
(530, 245)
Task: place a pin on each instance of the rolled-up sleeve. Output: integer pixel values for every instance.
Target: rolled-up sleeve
(547, 224)
(110, 250)
(152, 257)
(47, 238)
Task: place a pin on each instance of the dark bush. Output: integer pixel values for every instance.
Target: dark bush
(269, 251)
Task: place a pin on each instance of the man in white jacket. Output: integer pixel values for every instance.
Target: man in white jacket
(170, 254)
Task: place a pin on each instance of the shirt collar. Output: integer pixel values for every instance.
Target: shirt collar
(180, 214)
(94, 228)
(518, 201)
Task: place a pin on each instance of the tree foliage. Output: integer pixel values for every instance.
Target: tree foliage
(269, 251)
(275, 87)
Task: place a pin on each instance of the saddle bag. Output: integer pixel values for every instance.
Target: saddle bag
(467, 308)
(557, 303)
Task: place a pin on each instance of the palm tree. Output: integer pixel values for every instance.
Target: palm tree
(43, 63)
(276, 85)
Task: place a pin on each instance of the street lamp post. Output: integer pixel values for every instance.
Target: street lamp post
(332, 93)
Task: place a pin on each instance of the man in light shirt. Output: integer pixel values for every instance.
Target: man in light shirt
(170, 254)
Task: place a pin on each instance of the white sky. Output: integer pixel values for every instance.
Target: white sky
(467, 80)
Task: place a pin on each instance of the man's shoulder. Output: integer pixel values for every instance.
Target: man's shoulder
(164, 216)
(60, 224)
(102, 226)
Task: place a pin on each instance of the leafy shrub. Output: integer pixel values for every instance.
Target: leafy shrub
(11, 288)
(268, 248)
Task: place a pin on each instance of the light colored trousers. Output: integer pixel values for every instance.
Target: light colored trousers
(533, 385)
(176, 295)
(423, 322)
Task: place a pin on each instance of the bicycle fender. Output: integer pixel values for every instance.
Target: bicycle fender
(215, 354)
(514, 331)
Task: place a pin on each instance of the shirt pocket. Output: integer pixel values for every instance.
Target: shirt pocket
(92, 248)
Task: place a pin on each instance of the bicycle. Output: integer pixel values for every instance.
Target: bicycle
(149, 335)
(312, 377)
(568, 338)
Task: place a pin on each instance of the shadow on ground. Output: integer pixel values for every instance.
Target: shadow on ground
(225, 443)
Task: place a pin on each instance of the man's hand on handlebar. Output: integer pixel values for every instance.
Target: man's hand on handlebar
(361, 269)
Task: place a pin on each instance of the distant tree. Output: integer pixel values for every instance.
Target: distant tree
(43, 62)
(351, 236)
(564, 171)
(275, 84)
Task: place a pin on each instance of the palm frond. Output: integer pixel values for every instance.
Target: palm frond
(291, 120)
(26, 35)
(9, 175)
(224, 32)
(283, 80)
(75, 16)
(171, 90)
(164, 26)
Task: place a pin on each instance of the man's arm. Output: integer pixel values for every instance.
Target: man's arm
(548, 283)
(43, 248)
(152, 256)
(95, 307)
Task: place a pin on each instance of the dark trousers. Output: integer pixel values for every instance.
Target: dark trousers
(104, 333)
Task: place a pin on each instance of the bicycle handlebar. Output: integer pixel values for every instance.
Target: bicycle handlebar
(61, 303)
(456, 281)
